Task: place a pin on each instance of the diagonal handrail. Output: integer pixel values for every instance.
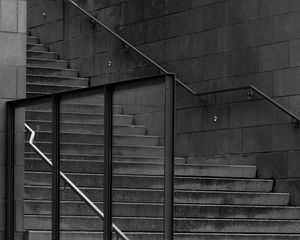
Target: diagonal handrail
(295, 119)
(95, 20)
(71, 184)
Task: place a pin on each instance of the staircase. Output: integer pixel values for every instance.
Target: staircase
(215, 199)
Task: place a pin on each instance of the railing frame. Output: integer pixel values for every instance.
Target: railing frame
(55, 99)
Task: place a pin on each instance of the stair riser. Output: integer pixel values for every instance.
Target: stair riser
(52, 72)
(32, 40)
(37, 47)
(79, 118)
(56, 81)
(42, 55)
(158, 169)
(99, 149)
(181, 211)
(92, 128)
(249, 160)
(47, 63)
(135, 159)
(85, 138)
(80, 108)
(156, 225)
(159, 236)
(92, 98)
(141, 196)
(146, 182)
(46, 89)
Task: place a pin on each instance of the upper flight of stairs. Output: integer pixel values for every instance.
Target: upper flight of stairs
(213, 200)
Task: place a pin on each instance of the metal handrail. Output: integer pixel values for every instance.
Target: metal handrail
(295, 119)
(95, 20)
(71, 184)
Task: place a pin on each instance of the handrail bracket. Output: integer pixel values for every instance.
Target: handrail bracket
(250, 94)
(295, 123)
(203, 101)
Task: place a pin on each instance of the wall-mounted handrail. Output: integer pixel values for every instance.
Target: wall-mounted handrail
(95, 20)
(71, 184)
(295, 119)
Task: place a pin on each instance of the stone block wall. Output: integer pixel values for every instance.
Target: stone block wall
(12, 85)
(209, 44)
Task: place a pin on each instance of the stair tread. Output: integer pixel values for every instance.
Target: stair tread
(76, 113)
(177, 191)
(59, 77)
(181, 219)
(177, 204)
(47, 60)
(36, 44)
(93, 124)
(143, 176)
(176, 164)
(35, 51)
(52, 68)
(97, 134)
(181, 233)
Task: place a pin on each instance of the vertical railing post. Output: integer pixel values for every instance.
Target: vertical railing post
(56, 167)
(169, 158)
(108, 118)
(10, 164)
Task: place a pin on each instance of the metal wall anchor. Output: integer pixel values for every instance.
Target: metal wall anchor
(250, 94)
(203, 101)
(295, 123)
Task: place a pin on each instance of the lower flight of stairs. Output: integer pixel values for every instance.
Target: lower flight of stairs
(214, 200)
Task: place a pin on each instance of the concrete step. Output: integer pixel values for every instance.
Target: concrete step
(75, 117)
(131, 168)
(87, 157)
(88, 108)
(78, 208)
(80, 148)
(42, 55)
(180, 225)
(35, 89)
(86, 235)
(135, 140)
(33, 40)
(36, 174)
(75, 99)
(46, 71)
(55, 81)
(157, 196)
(34, 94)
(47, 63)
(37, 47)
(69, 126)
(225, 159)
(92, 97)
(78, 108)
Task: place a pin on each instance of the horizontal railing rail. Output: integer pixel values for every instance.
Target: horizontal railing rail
(295, 119)
(71, 184)
(107, 90)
